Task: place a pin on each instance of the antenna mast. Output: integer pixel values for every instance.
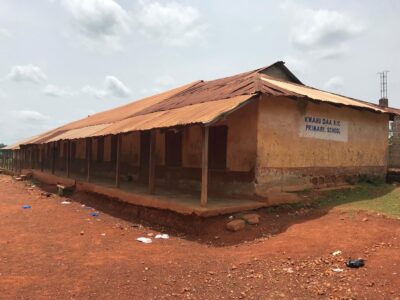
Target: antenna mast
(383, 84)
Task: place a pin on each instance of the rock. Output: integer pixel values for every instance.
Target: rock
(251, 219)
(365, 219)
(236, 225)
(371, 284)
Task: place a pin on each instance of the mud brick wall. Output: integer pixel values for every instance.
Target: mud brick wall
(287, 160)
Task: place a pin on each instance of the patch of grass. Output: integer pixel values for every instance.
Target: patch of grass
(383, 198)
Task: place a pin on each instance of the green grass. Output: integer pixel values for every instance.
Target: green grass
(382, 198)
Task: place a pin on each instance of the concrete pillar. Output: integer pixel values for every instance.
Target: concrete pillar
(204, 168)
(152, 162)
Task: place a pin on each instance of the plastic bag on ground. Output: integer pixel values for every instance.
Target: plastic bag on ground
(163, 236)
(144, 240)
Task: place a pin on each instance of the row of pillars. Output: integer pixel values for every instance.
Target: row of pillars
(18, 162)
(8, 162)
(15, 160)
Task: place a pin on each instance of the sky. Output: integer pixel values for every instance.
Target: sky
(62, 60)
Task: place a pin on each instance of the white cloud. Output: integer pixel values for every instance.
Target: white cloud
(171, 22)
(335, 83)
(55, 91)
(30, 116)
(115, 87)
(30, 73)
(5, 33)
(321, 32)
(2, 94)
(112, 87)
(94, 92)
(98, 21)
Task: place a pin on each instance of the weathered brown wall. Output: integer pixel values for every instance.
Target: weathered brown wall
(160, 148)
(130, 148)
(80, 149)
(288, 161)
(107, 148)
(241, 143)
(191, 150)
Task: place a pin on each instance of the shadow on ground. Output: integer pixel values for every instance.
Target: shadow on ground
(211, 231)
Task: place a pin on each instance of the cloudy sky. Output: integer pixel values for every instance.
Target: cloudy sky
(61, 60)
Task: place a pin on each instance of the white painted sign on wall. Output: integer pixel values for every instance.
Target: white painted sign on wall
(316, 127)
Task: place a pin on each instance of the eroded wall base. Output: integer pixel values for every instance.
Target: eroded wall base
(300, 179)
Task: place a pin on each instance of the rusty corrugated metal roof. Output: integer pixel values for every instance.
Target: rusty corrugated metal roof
(323, 96)
(201, 113)
(200, 102)
(78, 133)
(17, 145)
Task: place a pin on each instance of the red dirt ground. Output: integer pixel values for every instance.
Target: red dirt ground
(56, 251)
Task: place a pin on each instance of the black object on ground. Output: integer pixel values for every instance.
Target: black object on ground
(355, 263)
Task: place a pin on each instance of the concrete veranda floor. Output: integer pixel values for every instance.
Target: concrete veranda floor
(171, 199)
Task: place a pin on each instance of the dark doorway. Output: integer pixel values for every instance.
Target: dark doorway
(144, 156)
(100, 149)
(217, 147)
(173, 148)
(114, 142)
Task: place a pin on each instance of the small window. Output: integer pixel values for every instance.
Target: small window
(218, 137)
(100, 149)
(173, 148)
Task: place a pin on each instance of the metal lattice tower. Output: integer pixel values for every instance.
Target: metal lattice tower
(383, 84)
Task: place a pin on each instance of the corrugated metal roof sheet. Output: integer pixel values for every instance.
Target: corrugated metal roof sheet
(312, 93)
(203, 113)
(198, 102)
(78, 133)
(16, 146)
(248, 83)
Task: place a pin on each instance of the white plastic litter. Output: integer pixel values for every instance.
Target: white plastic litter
(337, 270)
(66, 202)
(144, 240)
(289, 270)
(163, 236)
(338, 252)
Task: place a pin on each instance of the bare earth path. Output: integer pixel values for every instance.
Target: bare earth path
(56, 251)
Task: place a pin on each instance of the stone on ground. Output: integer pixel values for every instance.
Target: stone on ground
(251, 219)
(235, 225)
